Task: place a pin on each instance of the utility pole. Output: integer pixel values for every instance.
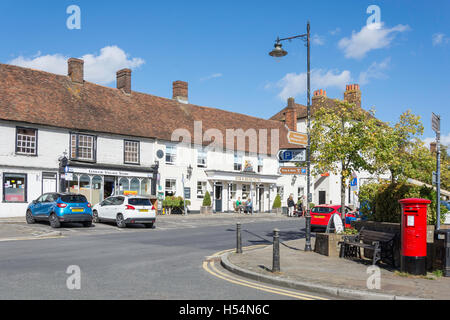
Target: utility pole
(436, 125)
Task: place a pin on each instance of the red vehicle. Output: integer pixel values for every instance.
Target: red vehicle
(320, 215)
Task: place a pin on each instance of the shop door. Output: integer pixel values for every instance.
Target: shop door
(218, 196)
(110, 183)
(261, 199)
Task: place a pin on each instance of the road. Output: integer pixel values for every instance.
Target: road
(162, 263)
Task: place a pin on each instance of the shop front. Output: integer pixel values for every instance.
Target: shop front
(228, 187)
(97, 184)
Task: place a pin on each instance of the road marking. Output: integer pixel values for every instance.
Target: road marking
(209, 267)
(31, 238)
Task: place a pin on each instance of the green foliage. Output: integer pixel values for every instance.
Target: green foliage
(207, 200)
(277, 202)
(311, 206)
(379, 201)
(175, 202)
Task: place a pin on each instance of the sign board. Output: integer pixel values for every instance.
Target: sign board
(187, 193)
(338, 226)
(298, 138)
(294, 155)
(354, 182)
(435, 122)
(68, 176)
(292, 171)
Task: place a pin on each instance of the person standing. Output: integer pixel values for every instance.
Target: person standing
(291, 206)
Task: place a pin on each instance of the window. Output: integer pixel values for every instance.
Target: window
(201, 158)
(237, 162)
(26, 141)
(322, 210)
(139, 202)
(280, 191)
(171, 154)
(201, 189)
(82, 147)
(233, 190)
(260, 164)
(74, 199)
(131, 152)
(14, 187)
(171, 187)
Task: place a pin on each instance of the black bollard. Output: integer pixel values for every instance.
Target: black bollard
(238, 238)
(276, 251)
(308, 233)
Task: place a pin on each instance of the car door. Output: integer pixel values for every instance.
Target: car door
(117, 206)
(104, 208)
(38, 207)
(48, 204)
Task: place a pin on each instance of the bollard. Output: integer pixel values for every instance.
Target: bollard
(238, 238)
(276, 251)
(308, 233)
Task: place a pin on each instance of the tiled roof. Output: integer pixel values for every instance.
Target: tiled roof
(38, 97)
(302, 110)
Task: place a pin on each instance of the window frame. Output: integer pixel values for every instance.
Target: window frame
(173, 189)
(138, 152)
(4, 189)
(77, 152)
(175, 149)
(239, 157)
(204, 190)
(36, 142)
(199, 157)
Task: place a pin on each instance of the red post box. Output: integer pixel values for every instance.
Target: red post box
(414, 236)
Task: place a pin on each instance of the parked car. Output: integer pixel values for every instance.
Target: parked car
(321, 214)
(58, 208)
(125, 210)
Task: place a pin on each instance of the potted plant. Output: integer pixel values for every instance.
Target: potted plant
(206, 207)
(276, 208)
(168, 204)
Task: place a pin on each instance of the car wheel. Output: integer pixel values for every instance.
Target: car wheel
(149, 225)
(30, 218)
(120, 221)
(95, 218)
(54, 221)
(87, 224)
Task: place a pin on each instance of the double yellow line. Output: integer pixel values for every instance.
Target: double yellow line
(209, 266)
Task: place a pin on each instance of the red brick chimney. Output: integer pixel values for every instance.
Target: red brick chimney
(291, 115)
(76, 70)
(124, 80)
(318, 99)
(352, 94)
(180, 91)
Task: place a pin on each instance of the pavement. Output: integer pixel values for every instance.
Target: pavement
(333, 276)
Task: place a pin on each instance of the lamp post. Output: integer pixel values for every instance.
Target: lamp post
(279, 52)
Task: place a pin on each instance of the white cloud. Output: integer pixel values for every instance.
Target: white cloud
(372, 37)
(335, 31)
(294, 84)
(100, 68)
(439, 39)
(445, 140)
(212, 76)
(318, 40)
(375, 71)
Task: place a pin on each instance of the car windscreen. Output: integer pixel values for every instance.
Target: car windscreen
(139, 202)
(322, 210)
(74, 198)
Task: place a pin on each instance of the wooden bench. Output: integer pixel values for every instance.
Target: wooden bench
(381, 243)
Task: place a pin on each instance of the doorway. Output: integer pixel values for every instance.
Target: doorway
(109, 187)
(218, 197)
(260, 199)
(322, 197)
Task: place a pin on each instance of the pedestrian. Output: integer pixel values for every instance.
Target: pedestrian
(239, 205)
(249, 208)
(291, 206)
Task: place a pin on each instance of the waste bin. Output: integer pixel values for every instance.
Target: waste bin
(414, 236)
(442, 241)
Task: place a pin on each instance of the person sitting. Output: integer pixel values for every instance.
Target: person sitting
(249, 207)
(238, 205)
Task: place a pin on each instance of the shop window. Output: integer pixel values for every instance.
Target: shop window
(201, 189)
(85, 187)
(146, 187)
(14, 187)
(233, 191)
(171, 154)
(97, 187)
(245, 191)
(134, 186)
(82, 147)
(74, 186)
(124, 186)
(131, 152)
(171, 187)
(26, 141)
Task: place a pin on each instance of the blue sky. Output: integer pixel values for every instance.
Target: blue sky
(221, 49)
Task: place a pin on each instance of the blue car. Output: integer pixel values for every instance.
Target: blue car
(58, 208)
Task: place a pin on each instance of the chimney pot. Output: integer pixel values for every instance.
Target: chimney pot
(124, 80)
(352, 94)
(291, 115)
(433, 147)
(180, 91)
(76, 70)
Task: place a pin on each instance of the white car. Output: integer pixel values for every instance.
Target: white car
(124, 210)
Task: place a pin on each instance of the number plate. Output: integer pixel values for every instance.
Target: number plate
(320, 217)
(143, 210)
(77, 210)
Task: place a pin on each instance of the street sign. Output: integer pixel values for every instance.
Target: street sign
(298, 138)
(294, 155)
(354, 182)
(292, 171)
(435, 122)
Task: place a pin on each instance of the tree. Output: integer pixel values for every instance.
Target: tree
(277, 202)
(207, 200)
(343, 141)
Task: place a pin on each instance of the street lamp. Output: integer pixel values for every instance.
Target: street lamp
(279, 52)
